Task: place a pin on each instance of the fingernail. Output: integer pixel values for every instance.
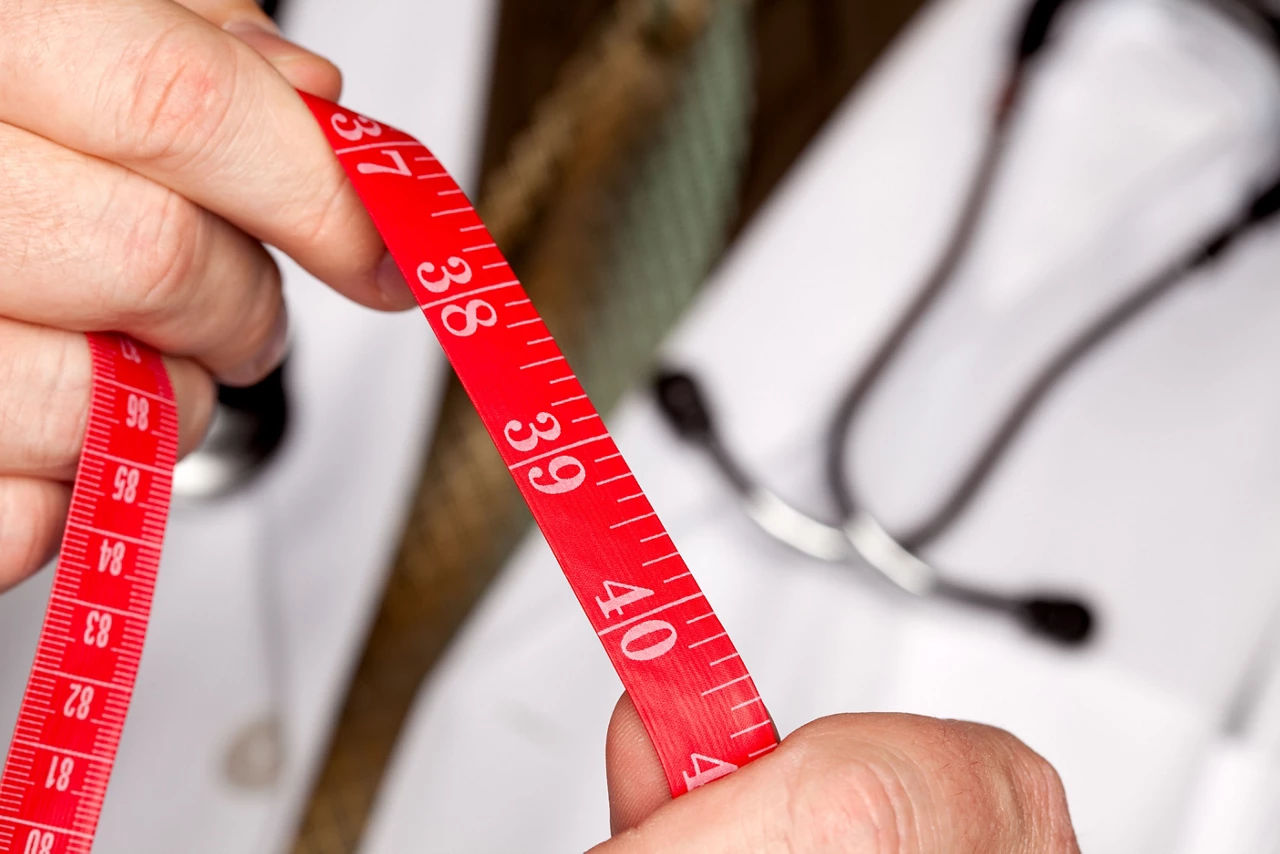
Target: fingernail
(271, 355)
(392, 286)
(265, 38)
(250, 28)
(304, 69)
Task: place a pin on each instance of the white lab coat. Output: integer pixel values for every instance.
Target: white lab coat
(1150, 481)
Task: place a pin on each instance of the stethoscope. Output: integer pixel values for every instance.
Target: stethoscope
(858, 538)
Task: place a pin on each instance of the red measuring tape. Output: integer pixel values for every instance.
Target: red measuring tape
(690, 686)
(73, 711)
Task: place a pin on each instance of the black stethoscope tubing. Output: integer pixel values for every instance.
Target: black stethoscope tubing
(1065, 619)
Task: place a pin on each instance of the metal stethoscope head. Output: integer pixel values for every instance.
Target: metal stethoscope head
(858, 538)
(248, 428)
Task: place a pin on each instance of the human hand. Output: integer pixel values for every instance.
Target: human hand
(149, 146)
(858, 784)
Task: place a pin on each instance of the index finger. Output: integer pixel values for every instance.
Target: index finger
(153, 87)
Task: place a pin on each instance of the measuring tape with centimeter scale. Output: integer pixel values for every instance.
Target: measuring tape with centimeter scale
(690, 686)
(73, 711)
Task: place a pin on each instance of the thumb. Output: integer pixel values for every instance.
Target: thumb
(246, 21)
(637, 783)
(863, 784)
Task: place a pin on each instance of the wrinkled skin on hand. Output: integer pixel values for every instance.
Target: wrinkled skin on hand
(855, 784)
(151, 149)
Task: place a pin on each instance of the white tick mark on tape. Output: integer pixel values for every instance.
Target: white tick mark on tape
(751, 728)
(631, 520)
(540, 362)
(724, 685)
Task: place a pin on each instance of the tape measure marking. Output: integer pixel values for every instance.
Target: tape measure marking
(675, 659)
(73, 711)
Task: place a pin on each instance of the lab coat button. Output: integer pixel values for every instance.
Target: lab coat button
(255, 758)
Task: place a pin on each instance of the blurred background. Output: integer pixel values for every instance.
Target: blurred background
(941, 335)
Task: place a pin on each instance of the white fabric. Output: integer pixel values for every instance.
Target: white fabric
(319, 529)
(1149, 482)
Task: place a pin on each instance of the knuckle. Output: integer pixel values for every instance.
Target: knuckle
(46, 411)
(27, 520)
(199, 398)
(983, 762)
(180, 92)
(163, 250)
(204, 402)
(242, 328)
(1016, 782)
(1043, 794)
(857, 803)
(843, 801)
(263, 307)
(62, 425)
(329, 215)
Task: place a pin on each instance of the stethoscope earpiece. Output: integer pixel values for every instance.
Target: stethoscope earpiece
(1067, 621)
